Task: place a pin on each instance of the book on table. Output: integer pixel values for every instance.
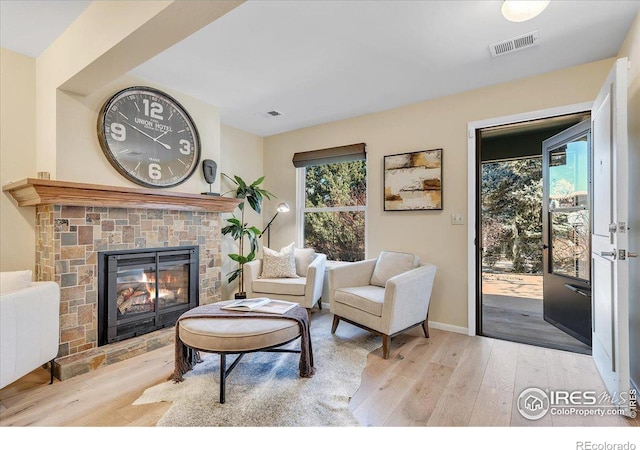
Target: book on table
(261, 304)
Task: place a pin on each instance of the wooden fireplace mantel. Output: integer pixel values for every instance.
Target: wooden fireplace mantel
(35, 192)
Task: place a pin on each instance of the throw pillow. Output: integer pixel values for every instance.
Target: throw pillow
(390, 264)
(304, 257)
(280, 264)
(14, 281)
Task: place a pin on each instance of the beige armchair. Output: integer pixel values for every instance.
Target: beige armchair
(385, 296)
(305, 289)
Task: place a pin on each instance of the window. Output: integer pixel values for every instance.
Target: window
(569, 209)
(332, 208)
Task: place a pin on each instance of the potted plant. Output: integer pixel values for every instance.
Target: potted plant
(239, 230)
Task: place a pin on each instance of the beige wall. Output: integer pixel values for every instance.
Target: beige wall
(439, 123)
(631, 49)
(242, 155)
(17, 157)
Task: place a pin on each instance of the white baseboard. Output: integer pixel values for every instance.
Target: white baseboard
(448, 327)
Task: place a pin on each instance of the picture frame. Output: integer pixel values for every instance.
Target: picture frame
(413, 181)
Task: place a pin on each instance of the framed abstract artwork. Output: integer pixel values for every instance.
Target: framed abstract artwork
(413, 181)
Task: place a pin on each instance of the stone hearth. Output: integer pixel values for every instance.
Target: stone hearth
(86, 361)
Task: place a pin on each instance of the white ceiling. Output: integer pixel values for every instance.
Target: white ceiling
(30, 26)
(320, 61)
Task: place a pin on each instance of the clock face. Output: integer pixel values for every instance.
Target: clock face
(149, 137)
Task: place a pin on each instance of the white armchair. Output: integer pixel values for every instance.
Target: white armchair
(29, 324)
(306, 289)
(385, 296)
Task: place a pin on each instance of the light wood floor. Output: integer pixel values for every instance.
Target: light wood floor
(447, 380)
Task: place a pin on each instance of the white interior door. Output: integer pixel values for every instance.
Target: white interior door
(610, 268)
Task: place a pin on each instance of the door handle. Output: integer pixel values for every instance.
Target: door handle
(610, 254)
(632, 255)
(578, 290)
(544, 246)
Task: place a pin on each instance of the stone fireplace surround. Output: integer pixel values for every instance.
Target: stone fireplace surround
(70, 234)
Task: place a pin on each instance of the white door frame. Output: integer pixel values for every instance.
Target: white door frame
(472, 182)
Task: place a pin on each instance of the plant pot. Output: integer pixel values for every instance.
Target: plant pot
(240, 295)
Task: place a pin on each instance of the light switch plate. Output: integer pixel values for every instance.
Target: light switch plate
(456, 219)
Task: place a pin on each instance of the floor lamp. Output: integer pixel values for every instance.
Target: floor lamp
(282, 208)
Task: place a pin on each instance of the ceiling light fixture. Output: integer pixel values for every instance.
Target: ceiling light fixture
(521, 10)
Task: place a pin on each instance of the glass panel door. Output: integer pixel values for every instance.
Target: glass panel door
(568, 200)
(566, 231)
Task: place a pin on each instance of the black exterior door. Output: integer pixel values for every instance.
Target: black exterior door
(566, 227)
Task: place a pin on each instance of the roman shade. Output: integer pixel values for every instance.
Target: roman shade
(353, 152)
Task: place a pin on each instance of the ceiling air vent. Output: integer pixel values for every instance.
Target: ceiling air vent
(514, 44)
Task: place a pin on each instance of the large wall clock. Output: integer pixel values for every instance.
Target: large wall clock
(149, 137)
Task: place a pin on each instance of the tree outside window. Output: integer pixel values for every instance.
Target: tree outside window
(512, 214)
(334, 209)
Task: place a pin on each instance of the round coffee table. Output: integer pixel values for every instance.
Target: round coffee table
(237, 336)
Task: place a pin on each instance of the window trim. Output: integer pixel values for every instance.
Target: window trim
(300, 201)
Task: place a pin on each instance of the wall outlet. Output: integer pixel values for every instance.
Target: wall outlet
(456, 219)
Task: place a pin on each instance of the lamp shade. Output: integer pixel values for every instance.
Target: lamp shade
(283, 208)
(521, 10)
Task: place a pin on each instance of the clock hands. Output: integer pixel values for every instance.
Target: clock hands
(140, 131)
(156, 139)
(168, 147)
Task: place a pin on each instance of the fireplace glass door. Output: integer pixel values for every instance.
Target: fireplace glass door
(135, 291)
(139, 290)
(146, 290)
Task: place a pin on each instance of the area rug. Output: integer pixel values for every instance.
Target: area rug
(264, 389)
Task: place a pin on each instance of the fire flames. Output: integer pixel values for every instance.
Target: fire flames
(140, 295)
